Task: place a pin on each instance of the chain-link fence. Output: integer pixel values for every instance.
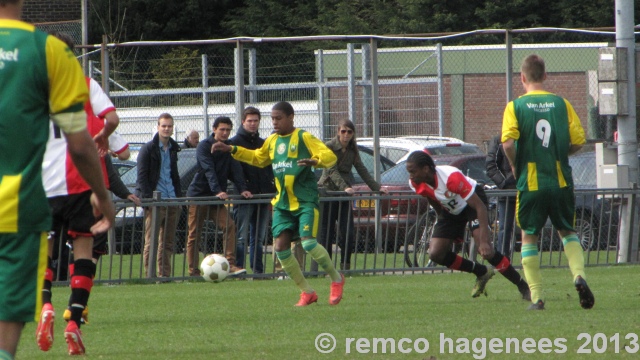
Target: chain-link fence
(72, 28)
(419, 87)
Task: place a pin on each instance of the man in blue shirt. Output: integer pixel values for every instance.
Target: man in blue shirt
(158, 171)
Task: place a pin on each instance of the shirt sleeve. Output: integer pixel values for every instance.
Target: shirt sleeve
(576, 132)
(100, 102)
(67, 87)
(117, 143)
(260, 157)
(319, 151)
(509, 124)
(457, 183)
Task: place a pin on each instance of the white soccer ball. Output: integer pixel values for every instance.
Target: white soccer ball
(214, 268)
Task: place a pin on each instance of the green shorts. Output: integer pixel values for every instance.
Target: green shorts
(302, 222)
(534, 207)
(24, 262)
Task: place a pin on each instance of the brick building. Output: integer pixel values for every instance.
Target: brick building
(39, 11)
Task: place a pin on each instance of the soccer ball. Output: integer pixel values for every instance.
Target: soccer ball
(214, 268)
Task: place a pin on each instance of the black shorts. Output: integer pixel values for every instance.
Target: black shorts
(452, 227)
(73, 213)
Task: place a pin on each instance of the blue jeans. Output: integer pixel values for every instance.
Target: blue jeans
(252, 221)
(506, 215)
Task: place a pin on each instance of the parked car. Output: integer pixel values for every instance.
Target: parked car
(122, 166)
(402, 220)
(129, 225)
(398, 149)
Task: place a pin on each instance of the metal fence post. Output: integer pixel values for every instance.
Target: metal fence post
(321, 93)
(239, 80)
(440, 89)
(105, 64)
(366, 90)
(253, 75)
(375, 107)
(153, 236)
(351, 83)
(205, 96)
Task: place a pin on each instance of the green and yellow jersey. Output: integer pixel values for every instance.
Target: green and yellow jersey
(39, 76)
(544, 126)
(296, 184)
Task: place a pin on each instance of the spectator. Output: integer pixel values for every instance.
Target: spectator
(214, 169)
(293, 153)
(252, 220)
(539, 132)
(340, 178)
(192, 140)
(39, 65)
(499, 170)
(158, 171)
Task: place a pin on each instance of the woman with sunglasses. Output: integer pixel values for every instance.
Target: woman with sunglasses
(340, 178)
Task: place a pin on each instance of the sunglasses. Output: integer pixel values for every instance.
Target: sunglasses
(346, 131)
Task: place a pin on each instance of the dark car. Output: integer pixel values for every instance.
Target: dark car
(403, 218)
(129, 226)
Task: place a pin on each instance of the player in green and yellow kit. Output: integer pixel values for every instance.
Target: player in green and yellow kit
(292, 153)
(539, 132)
(39, 76)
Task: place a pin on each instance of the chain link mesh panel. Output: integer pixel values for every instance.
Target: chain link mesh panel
(425, 88)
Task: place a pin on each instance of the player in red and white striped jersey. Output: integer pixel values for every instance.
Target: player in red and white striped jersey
(458, 201)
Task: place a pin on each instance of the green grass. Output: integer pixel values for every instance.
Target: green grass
(257, 320)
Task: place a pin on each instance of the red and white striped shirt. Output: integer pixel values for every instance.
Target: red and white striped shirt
(59, 175)
(452, 189)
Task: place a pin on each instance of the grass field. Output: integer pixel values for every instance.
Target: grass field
(256, 319)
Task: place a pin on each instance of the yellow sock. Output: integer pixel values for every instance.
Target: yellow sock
(531, 267)
(321, 256)
(575, 255)
(292, 268)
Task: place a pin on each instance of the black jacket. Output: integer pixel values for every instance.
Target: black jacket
(498, 168)
(117, 187)
(149, 168)
(213, 171)
(258, 180)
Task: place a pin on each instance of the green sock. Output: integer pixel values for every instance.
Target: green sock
(4, 355)
(292, 268)
(321, 256)
(531, 267)
(575, 255)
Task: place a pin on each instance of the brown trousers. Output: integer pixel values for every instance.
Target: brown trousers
(218, 214)
(166, 230)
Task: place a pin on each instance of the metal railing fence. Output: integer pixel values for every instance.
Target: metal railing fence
(396, 242)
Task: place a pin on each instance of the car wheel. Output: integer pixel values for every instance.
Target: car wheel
(586, 232)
